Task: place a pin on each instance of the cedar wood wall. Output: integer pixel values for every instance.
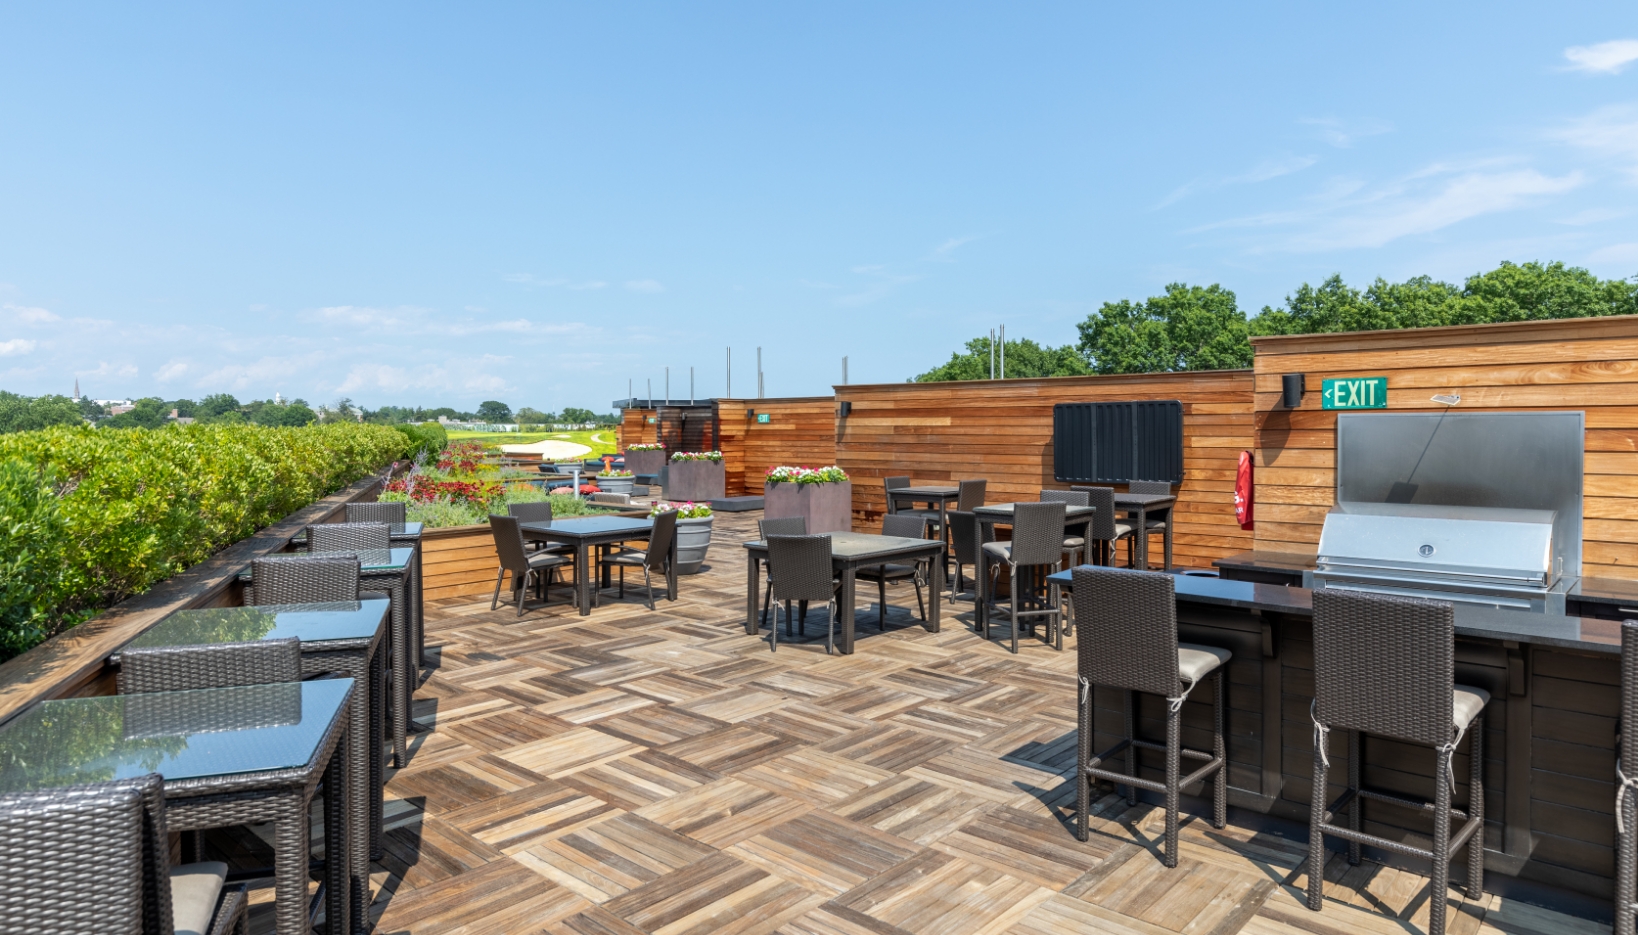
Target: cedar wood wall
(939, 433)
(1584, 364)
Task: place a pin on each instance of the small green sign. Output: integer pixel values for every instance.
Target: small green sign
(1355, 393)
(652, 420)
(762, 417)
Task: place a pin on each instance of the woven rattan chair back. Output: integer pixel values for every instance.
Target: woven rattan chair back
(1150, 487)
(786, 526)
(964, 536)
(208, 665)
(890, 484)
(88, 858)
(509, 544)
(348, 537)
(661, 540)
(801, 568)
(1126, 629)
(1069, 497)
(1102, 501)
(1384, 665)
(970, 494)
(303, 579)
(378, 512)
(905, 526)
(530, 512)
(1037, 533)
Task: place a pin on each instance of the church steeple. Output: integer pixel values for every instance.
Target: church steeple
(76, 389)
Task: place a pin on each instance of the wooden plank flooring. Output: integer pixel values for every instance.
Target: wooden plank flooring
(660, 772)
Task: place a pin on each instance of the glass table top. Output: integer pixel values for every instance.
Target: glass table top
(850, 545)
(180, 735)
(310, 623)
(369, 560)
(591, 525)
(1005, 509)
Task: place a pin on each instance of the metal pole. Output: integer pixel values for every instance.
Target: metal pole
(759, 373)
(690, 386)
(1003, 352)
(728, 384)
(844, 370)
(668, 386)
(628, 388)
(992, 353)
(650, 400)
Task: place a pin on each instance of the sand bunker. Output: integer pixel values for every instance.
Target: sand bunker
(548, 450)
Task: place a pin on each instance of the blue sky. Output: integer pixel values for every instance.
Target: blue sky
(440, 204)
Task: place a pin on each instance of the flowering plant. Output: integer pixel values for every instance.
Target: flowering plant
(688, 510)
(788, 474)
(657, 446)
(615, 474)
(461, 457)
(697, 456)
(421, 488)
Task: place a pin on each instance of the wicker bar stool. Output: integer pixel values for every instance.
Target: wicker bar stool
(388, 512)
(526, 567)
(95, 858)
(346, 537)
(1074, 545)
(905, 527)
(785, 526)
(890, 484)
(1154, 524)
(1386, 666)
(1626, 777)
(656, 558)
(1126, 639)
(1037, 541)
(965, 533)
(800, 568)
(1106, 529)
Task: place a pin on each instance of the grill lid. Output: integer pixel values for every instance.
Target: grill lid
(1460, 542)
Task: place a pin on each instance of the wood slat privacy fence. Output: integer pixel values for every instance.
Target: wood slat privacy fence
(939, 433)
(1588, 364)
(799, 430)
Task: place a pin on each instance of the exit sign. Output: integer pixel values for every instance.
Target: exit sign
(1355, 393)
(763, 417)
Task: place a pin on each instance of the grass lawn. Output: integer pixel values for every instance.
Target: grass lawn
(600, 441)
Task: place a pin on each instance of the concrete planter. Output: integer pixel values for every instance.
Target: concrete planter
(693, 538)
(645, 462)
(826, 507)
(696, 481)
(614, 484)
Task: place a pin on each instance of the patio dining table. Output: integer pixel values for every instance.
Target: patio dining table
(1138, 506)
(849, 552)
(228, 756)
(342, 637)
(589, 533)
(936, 497)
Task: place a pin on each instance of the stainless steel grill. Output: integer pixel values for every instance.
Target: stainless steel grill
(1481, 555)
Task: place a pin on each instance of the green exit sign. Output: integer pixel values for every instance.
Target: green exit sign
(763, 417)
(1355, 393)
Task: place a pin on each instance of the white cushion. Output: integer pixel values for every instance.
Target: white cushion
(1195, 662)
(1467, 704)
(195, 888)
(999, 549)
(1074, 542)
(1123, 529)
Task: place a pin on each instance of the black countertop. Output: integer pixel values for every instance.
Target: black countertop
(1472, 621)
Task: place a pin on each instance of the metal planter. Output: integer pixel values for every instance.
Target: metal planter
(826, 507)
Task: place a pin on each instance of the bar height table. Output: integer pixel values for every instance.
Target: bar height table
(229, 756)
(851, 551)
(1000, 514)
(342, 637)
(587, 533)
(400, 535)
(1139, 506)
(937, 497)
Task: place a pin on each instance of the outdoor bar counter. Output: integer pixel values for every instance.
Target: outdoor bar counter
(1551, 723)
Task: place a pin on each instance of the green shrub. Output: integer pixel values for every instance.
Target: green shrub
(110, 513)
(428, 438)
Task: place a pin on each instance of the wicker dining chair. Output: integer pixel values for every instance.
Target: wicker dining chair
(1386, 666)
(95, 858)
(1626, 797)
(905, 527)
(378, 512)
(348, 537)
(1037, 541)
(539, 512)
(1153, 524)
(1126, 636)
(1106, 529)
(525, 567)
(655, 559)
(890, 484)
(1074, 545)
(784, 526)
(800, 567)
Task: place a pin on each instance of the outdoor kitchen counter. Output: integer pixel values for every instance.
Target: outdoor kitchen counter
(1549, 728)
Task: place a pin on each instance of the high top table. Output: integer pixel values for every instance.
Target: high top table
(1139, 506)
(936, 497)
(342, 637)
(399, 535)
(1000, 514)
(849, 552)
(588, 533)
(229, 756)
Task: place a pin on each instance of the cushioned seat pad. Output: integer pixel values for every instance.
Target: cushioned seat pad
(195, 889)
(1467, 704)
(1195, 662)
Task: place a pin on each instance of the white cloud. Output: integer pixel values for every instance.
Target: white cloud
(644, 285)
(1272, 169)
(882, 284)
(1609, 131)
(106, 369)
(942, 252)
(1345, 133)
(589, 284)
(15, 346)
(29, 314)
(1604, 58)
(171, 370)
(1616, 253)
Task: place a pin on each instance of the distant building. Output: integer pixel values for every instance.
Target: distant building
(180, 419)
(76, 396)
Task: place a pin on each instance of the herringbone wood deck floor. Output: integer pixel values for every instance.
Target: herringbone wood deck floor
(661, 772)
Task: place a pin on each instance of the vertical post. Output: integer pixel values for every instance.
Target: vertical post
(1003, 352)
(690, 386)
(1626, 802)
(844, 370)
(728, 384)
(759, 373)
(668, 386)
(628, 388)
(992, 353)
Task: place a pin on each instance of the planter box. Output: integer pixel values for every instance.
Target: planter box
(697, 481)
(614, 484)
(826, 507)
(645, 462)
(693, 538)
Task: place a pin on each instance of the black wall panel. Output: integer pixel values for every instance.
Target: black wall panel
(1118, 442)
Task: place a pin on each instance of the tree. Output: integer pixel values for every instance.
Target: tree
(292, 414)
(149, 412)
(22, 414)
(529, 415)
(576, 416)
(492, 410)
(185, 408)
(1188, 328)
(214, 406)
(1025, 358)
(90, 408)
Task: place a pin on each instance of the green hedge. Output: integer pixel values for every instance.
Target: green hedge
(89, 516)
(428, 438)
